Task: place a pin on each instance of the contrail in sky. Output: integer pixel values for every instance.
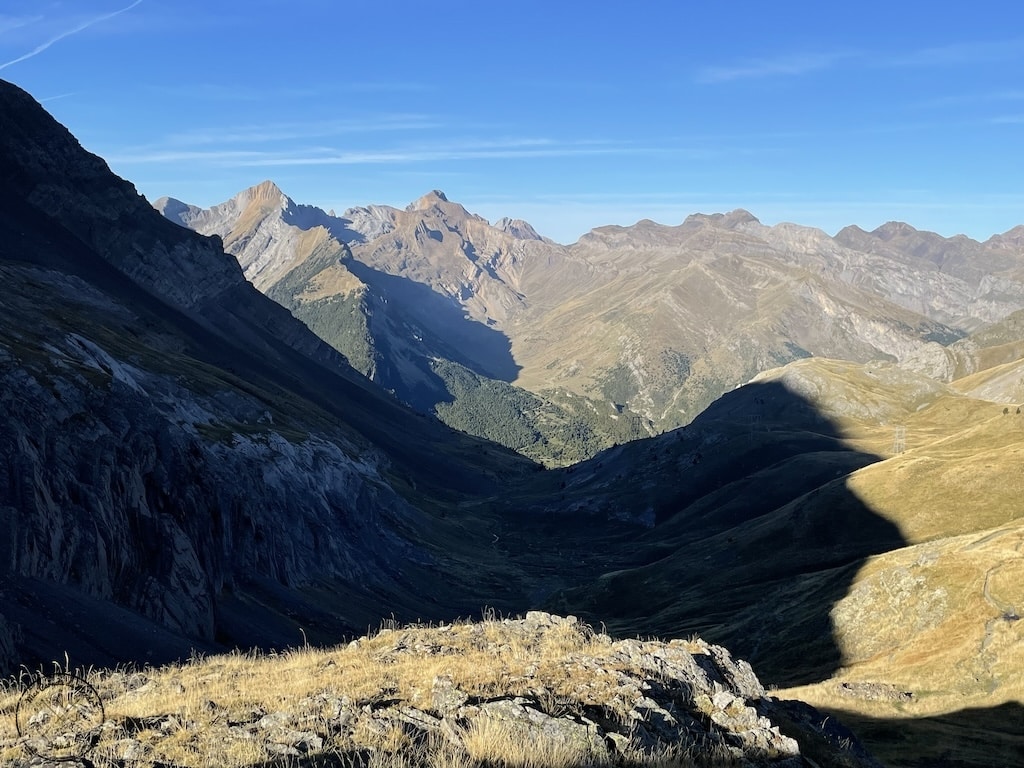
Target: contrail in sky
(85, 25)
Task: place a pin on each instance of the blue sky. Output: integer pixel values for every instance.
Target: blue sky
(797, 111)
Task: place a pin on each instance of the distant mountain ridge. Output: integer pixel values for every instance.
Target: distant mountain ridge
(651, 321)
(426, 325)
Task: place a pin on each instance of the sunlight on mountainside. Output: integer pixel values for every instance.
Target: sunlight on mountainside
(933, 629)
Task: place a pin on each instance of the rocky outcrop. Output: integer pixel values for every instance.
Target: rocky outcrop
(617, 699)
(545, 685)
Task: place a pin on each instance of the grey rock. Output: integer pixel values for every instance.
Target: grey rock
(303, 742)
(274, 720)
(445, 697)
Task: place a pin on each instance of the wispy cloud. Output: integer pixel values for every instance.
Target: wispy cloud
(785, 65)
(957, 53)
(67, 33)
(57, 97)
(963, 99)
(11, 23)
(507, 149)
(796, 64)
(228, 92)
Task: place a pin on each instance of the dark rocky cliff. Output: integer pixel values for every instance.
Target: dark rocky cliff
(175, 444)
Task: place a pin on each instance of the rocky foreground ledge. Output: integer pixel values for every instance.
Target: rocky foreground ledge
(538, 691)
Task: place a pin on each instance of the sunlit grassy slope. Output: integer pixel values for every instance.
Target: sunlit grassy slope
(930, 636)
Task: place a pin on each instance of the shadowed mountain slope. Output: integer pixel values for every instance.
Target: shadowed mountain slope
(178, 445)
(761, 471)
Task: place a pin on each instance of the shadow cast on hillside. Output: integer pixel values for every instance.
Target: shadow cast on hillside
(758, 544)
(969, 738)
(309, 216)
(481, 349)
(757, 537)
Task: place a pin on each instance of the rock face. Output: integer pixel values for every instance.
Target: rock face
(110, 484)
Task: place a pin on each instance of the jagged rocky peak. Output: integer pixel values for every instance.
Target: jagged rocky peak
(1010, 238)
(428, 201)
(797, 237)
(266, 193)
(370, 221)
(893, 229)
(435, 203)
(851, 235)
(518, 228)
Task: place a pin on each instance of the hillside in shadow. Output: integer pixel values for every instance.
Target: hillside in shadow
(977, 737)
(755, 535)
(479, 348)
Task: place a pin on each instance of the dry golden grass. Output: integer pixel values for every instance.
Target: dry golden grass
(935, 629)
(487, 738)
(205, 712)
(938, 618)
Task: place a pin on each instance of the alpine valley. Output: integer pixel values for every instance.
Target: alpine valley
(263, 425)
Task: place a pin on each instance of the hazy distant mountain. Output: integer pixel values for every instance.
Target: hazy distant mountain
(955, 280)
(649, 321)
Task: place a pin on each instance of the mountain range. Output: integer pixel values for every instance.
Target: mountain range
(186, 467)
(557, 351)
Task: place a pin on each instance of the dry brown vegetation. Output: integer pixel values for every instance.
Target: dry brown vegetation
(244, 710)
